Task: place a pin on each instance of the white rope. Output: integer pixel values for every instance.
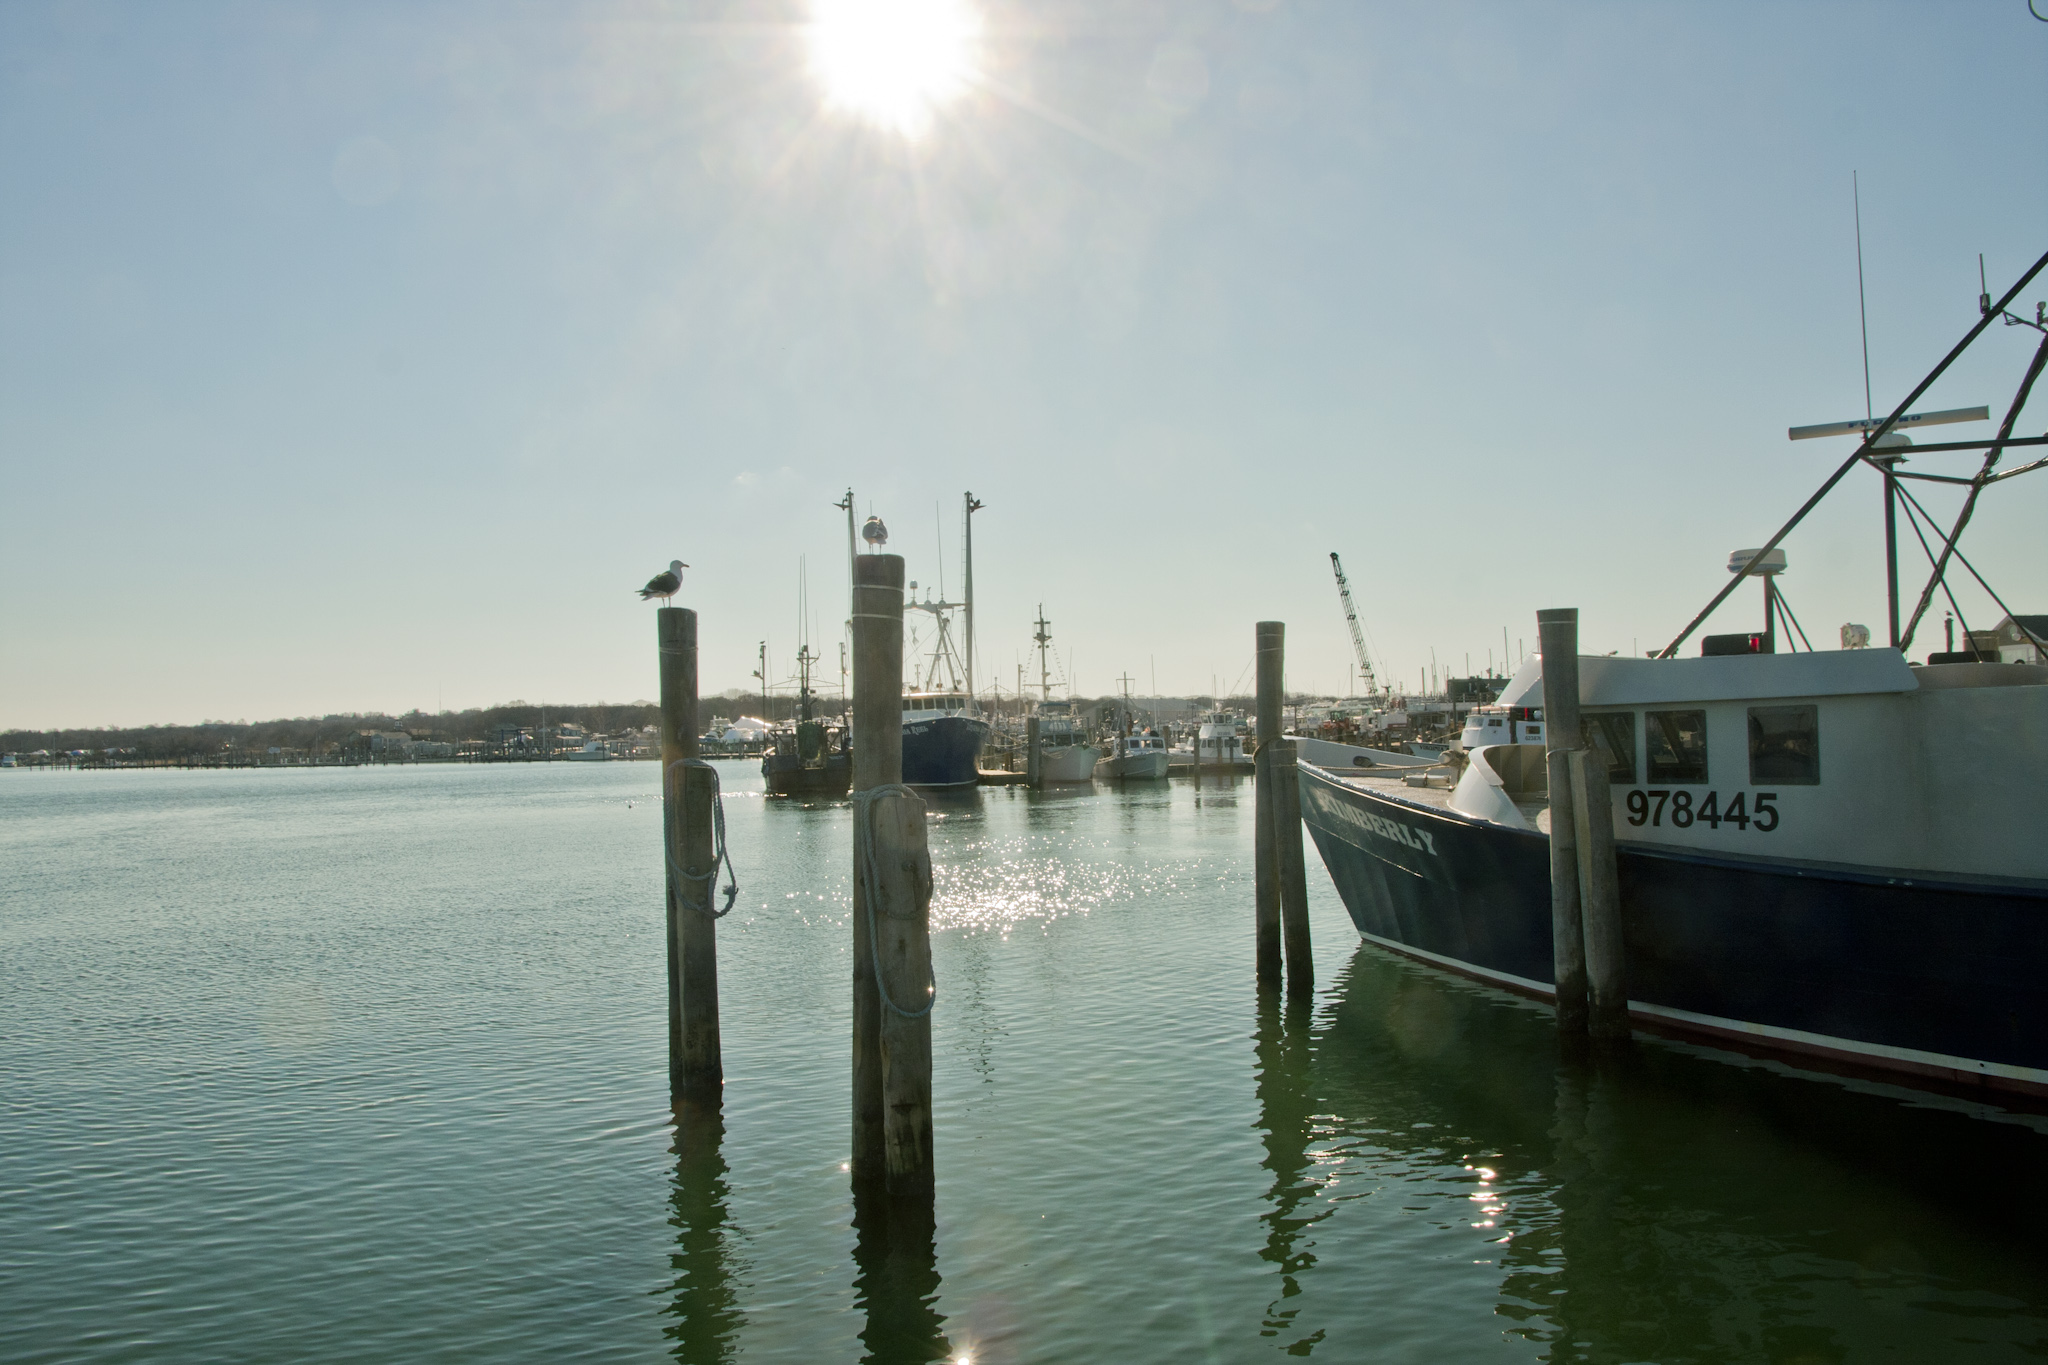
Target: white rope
(871, 886)
(673, 792)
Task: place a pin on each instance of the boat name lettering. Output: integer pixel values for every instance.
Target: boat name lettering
(1418, 839)
(1744, 810)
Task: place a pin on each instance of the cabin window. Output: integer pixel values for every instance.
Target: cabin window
(1613, 736)
(1784, 746)
(1677, 745)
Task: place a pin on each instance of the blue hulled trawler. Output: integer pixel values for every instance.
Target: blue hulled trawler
(1837, 854)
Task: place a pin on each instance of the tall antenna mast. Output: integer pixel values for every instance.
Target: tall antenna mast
(1044, 675)
(967, 558)
(1862, 315)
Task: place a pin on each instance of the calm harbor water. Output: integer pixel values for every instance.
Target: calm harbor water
(370, 1065)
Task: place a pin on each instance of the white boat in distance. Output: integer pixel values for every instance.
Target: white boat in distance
(1140, 754)
(1219, 742)
(1064, 753)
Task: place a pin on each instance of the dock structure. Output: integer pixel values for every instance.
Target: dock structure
(1280, 878)
(1585, 897)
(893, 992)
(689, 792)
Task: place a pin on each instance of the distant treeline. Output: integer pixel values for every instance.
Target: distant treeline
(329, 734)
(321, 735)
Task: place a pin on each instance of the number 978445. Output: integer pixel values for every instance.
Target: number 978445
(1744, 810)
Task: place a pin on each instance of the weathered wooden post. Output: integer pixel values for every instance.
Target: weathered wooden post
(688, 793)
(1599, 897)
(1033, 774)
(1270, 646)
(903, 950)
(1301, 967)
(1557, 631)
(892, 994)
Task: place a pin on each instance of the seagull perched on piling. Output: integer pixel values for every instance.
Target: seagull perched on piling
(666, 584)
(875, 533)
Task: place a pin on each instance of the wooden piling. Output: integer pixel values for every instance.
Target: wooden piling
(1034, 773)
(904, 952)
(1293, 872)
(1558, 638)
(695, 1064)
(1270, 644)
(892, 1138)
(1599, 898)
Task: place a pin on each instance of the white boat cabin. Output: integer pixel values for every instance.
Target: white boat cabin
(1848, 758)
(934, 705)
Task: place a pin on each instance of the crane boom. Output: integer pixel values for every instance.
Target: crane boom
(1351, 619)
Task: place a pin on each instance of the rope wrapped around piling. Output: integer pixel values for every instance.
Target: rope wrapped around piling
(871, 886)
(672, 793)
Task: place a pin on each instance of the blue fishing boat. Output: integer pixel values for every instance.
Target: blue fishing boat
(1838, 854)
(944, 731)
(943, 735)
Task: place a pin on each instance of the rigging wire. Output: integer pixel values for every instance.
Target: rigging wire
(1940, 578)
(1988, 589)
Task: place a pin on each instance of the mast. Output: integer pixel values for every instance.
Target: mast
(968, 556)
(846, 505)
(1044, 675)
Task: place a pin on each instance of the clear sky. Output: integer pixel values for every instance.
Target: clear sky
(368, 356)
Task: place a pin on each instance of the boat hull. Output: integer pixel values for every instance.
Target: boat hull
(1932, 978)
(1148, 763)
(1068, 763)
(943, 751)
(788, 777)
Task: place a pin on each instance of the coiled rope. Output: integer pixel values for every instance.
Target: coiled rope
(673, 792)
(871, 887)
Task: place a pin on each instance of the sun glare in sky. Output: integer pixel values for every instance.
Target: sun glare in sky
(893, 62)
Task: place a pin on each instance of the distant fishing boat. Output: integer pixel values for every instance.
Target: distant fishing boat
(943, 728)
(1134, 754)
(810, 757)
(1064, 751)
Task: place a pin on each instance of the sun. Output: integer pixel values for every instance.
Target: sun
(892, 62)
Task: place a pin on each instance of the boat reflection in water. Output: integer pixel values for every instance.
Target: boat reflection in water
(1660, 1200)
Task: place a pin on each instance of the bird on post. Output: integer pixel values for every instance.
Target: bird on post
(665, 584)
(874, 533)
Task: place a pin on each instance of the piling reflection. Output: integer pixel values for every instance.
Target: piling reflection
(1660, 1201)
(897, 1285)
(1286, 1113)
(704, 1296)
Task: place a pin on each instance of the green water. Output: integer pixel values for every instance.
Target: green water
(371, 1065)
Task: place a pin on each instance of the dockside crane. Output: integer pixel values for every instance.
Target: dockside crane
(1372, 685)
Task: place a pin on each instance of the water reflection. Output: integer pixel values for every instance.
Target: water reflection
(896, 1254)
(1287, 1116)
(707, 1318)
(1660, 1201)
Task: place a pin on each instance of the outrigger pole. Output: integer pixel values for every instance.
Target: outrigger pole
(1872, 440)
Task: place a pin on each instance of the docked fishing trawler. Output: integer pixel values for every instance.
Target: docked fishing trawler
(1064, 751)
(1830, 853)
(943, 730)
(812, 757)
